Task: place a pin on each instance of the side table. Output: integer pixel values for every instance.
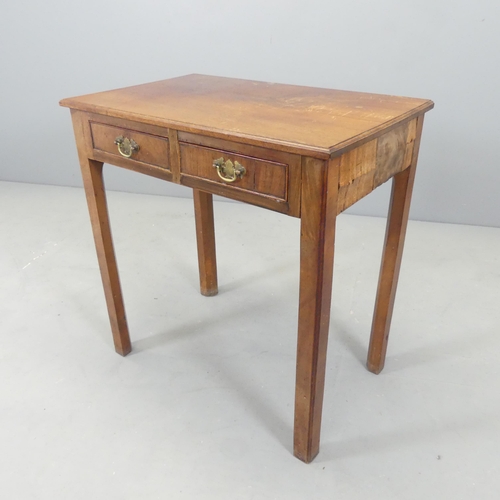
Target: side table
(305, 152)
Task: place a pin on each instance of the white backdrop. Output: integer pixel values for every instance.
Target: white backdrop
(444, 50)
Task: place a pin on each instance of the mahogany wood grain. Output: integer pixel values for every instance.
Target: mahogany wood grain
(239, 147)
(292, 161)
(145, 128)
(320, 182)
(358, 162)
(153, 150)
(310, 153)
(205, 238)
(96, 199)
(131, 164)
(303, 120)
(237, 194)
(175, 155)
(366, 167)
(261, 176)
(87, 119)
(391, 153)
(397, 221)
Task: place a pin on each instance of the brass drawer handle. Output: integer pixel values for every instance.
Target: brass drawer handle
(126, 147)
(227, 171)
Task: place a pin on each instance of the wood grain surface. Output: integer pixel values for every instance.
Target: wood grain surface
(366, 167)
(205, 238)
(153, 150)
(304, 120)
(260, 176)
(397, 222)
(317, 234)
(308, 152)
(96, 199)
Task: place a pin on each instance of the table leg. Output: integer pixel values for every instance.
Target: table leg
(205, 238)
(397, 220)
(96, 200)
(318, 215)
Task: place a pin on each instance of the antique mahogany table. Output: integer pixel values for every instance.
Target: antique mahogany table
(305, 152)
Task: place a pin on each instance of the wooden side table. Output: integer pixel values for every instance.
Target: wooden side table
(304, 152)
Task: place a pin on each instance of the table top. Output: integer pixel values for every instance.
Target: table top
(293, 118)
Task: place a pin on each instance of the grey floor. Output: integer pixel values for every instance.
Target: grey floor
(203, 406)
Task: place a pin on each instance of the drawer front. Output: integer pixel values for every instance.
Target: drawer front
(261, 176)
(149, 149)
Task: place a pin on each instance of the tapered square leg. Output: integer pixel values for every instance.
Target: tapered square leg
(96, 200)
(205, 238)
(318, 215)
(397, 221)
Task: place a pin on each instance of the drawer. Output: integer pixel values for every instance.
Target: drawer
(139, 146)
(269, 178)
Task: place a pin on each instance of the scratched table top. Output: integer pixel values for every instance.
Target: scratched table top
(310, 119)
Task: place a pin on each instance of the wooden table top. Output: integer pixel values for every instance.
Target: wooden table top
(304, 120)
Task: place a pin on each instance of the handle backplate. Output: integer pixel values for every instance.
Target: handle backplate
(126, 147)
(228, 171)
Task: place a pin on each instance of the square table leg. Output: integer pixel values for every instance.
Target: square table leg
(397, 221)
(205, 238)
(318, 216)
(96, 200)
